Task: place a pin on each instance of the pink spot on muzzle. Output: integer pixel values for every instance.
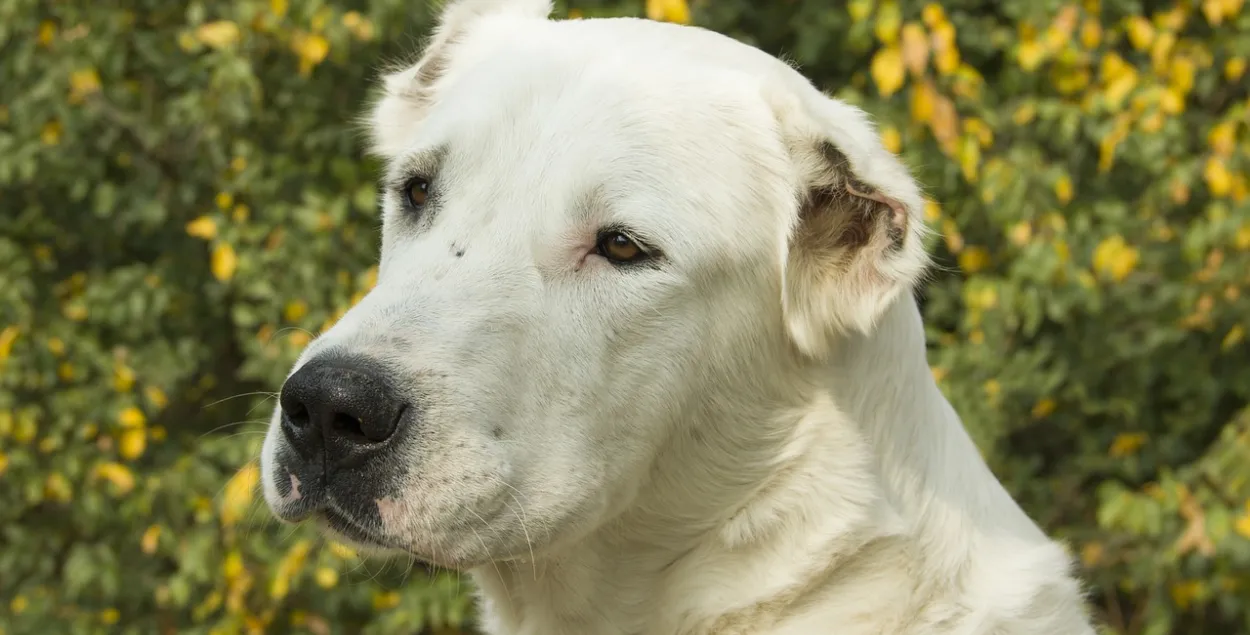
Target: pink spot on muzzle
(294, 495)
(392, 513)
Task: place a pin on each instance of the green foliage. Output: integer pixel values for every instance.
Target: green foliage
(184, 199)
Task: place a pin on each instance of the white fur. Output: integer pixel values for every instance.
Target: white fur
(745, 438)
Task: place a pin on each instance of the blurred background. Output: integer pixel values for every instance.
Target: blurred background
(184, 202)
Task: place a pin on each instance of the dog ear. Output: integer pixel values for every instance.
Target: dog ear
(410, 87)
(857, 240)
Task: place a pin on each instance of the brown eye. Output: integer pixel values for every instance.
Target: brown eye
(619, 248)
(417, 191)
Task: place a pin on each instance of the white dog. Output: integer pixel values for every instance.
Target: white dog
(644, 358)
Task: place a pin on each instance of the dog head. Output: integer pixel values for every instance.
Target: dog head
(595, 233)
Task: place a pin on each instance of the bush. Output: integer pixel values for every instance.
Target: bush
(184, 200)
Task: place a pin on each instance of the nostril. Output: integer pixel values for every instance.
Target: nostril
(298, 415)
(348, 428)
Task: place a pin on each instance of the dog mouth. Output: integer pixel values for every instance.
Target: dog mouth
(343, 525)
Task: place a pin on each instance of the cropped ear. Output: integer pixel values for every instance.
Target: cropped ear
(409, 89)
(857, 240)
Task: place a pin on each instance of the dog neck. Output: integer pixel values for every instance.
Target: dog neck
(930, 469)
(871, 455)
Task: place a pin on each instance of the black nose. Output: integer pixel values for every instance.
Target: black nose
(343, 407)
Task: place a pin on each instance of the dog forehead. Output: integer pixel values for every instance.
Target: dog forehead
(647, 117)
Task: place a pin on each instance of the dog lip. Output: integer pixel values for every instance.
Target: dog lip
(343, 523)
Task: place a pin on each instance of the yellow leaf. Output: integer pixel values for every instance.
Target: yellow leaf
(384, 600)
(1115, 258)
(50, 135)
(1233, 338)
(932, 211)
(123, 378)
(117, 474)
(1069, 81)
(83, 82)
(974, 259)
(224, 200)
(891, 139)
(232, 566)
(1171, 101)
(947, 60)
(295, 310)
(18, 604)
(299, 339)
(669, 11)
(1063, 189)
(1218, 179)
(224, 262)
(1234, 68)
(219, 35)
(970, 158)
(1030, 55)
(57, 489)
(889, 19)
(1091, 33)
(946, 53)
(238, 494)
(1181, 74)
(915, 48)
(150, 540)
(1043, 408)
(951, 236)
(1024, 114)
(110, 616)
(945, 123)
(1126, 444)
(342, 551)
(1020, 233)
(1140, 32)
(311, 49)
(1184, 593)
(992, 388)
(203, 227)
(326, 577)
(1243, 525)
(278, 7)
(1213, 10)
(1223, 137)
(859, 10)
(288, 567)
(1160, 50)
(156, 396)
(923, 102)
(131, 417)
(47, 32)
(4, 462)
(132, 444)
(983, 298)
(7, 337)
(933, 15)
(1119, 88)
(887, 70)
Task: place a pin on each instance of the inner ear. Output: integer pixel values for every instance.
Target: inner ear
(847, 212)
(853, 249)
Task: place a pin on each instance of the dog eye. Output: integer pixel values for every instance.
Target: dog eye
(416, 192)
(619, 248)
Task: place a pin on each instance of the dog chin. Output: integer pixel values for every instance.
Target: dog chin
(341, 529)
